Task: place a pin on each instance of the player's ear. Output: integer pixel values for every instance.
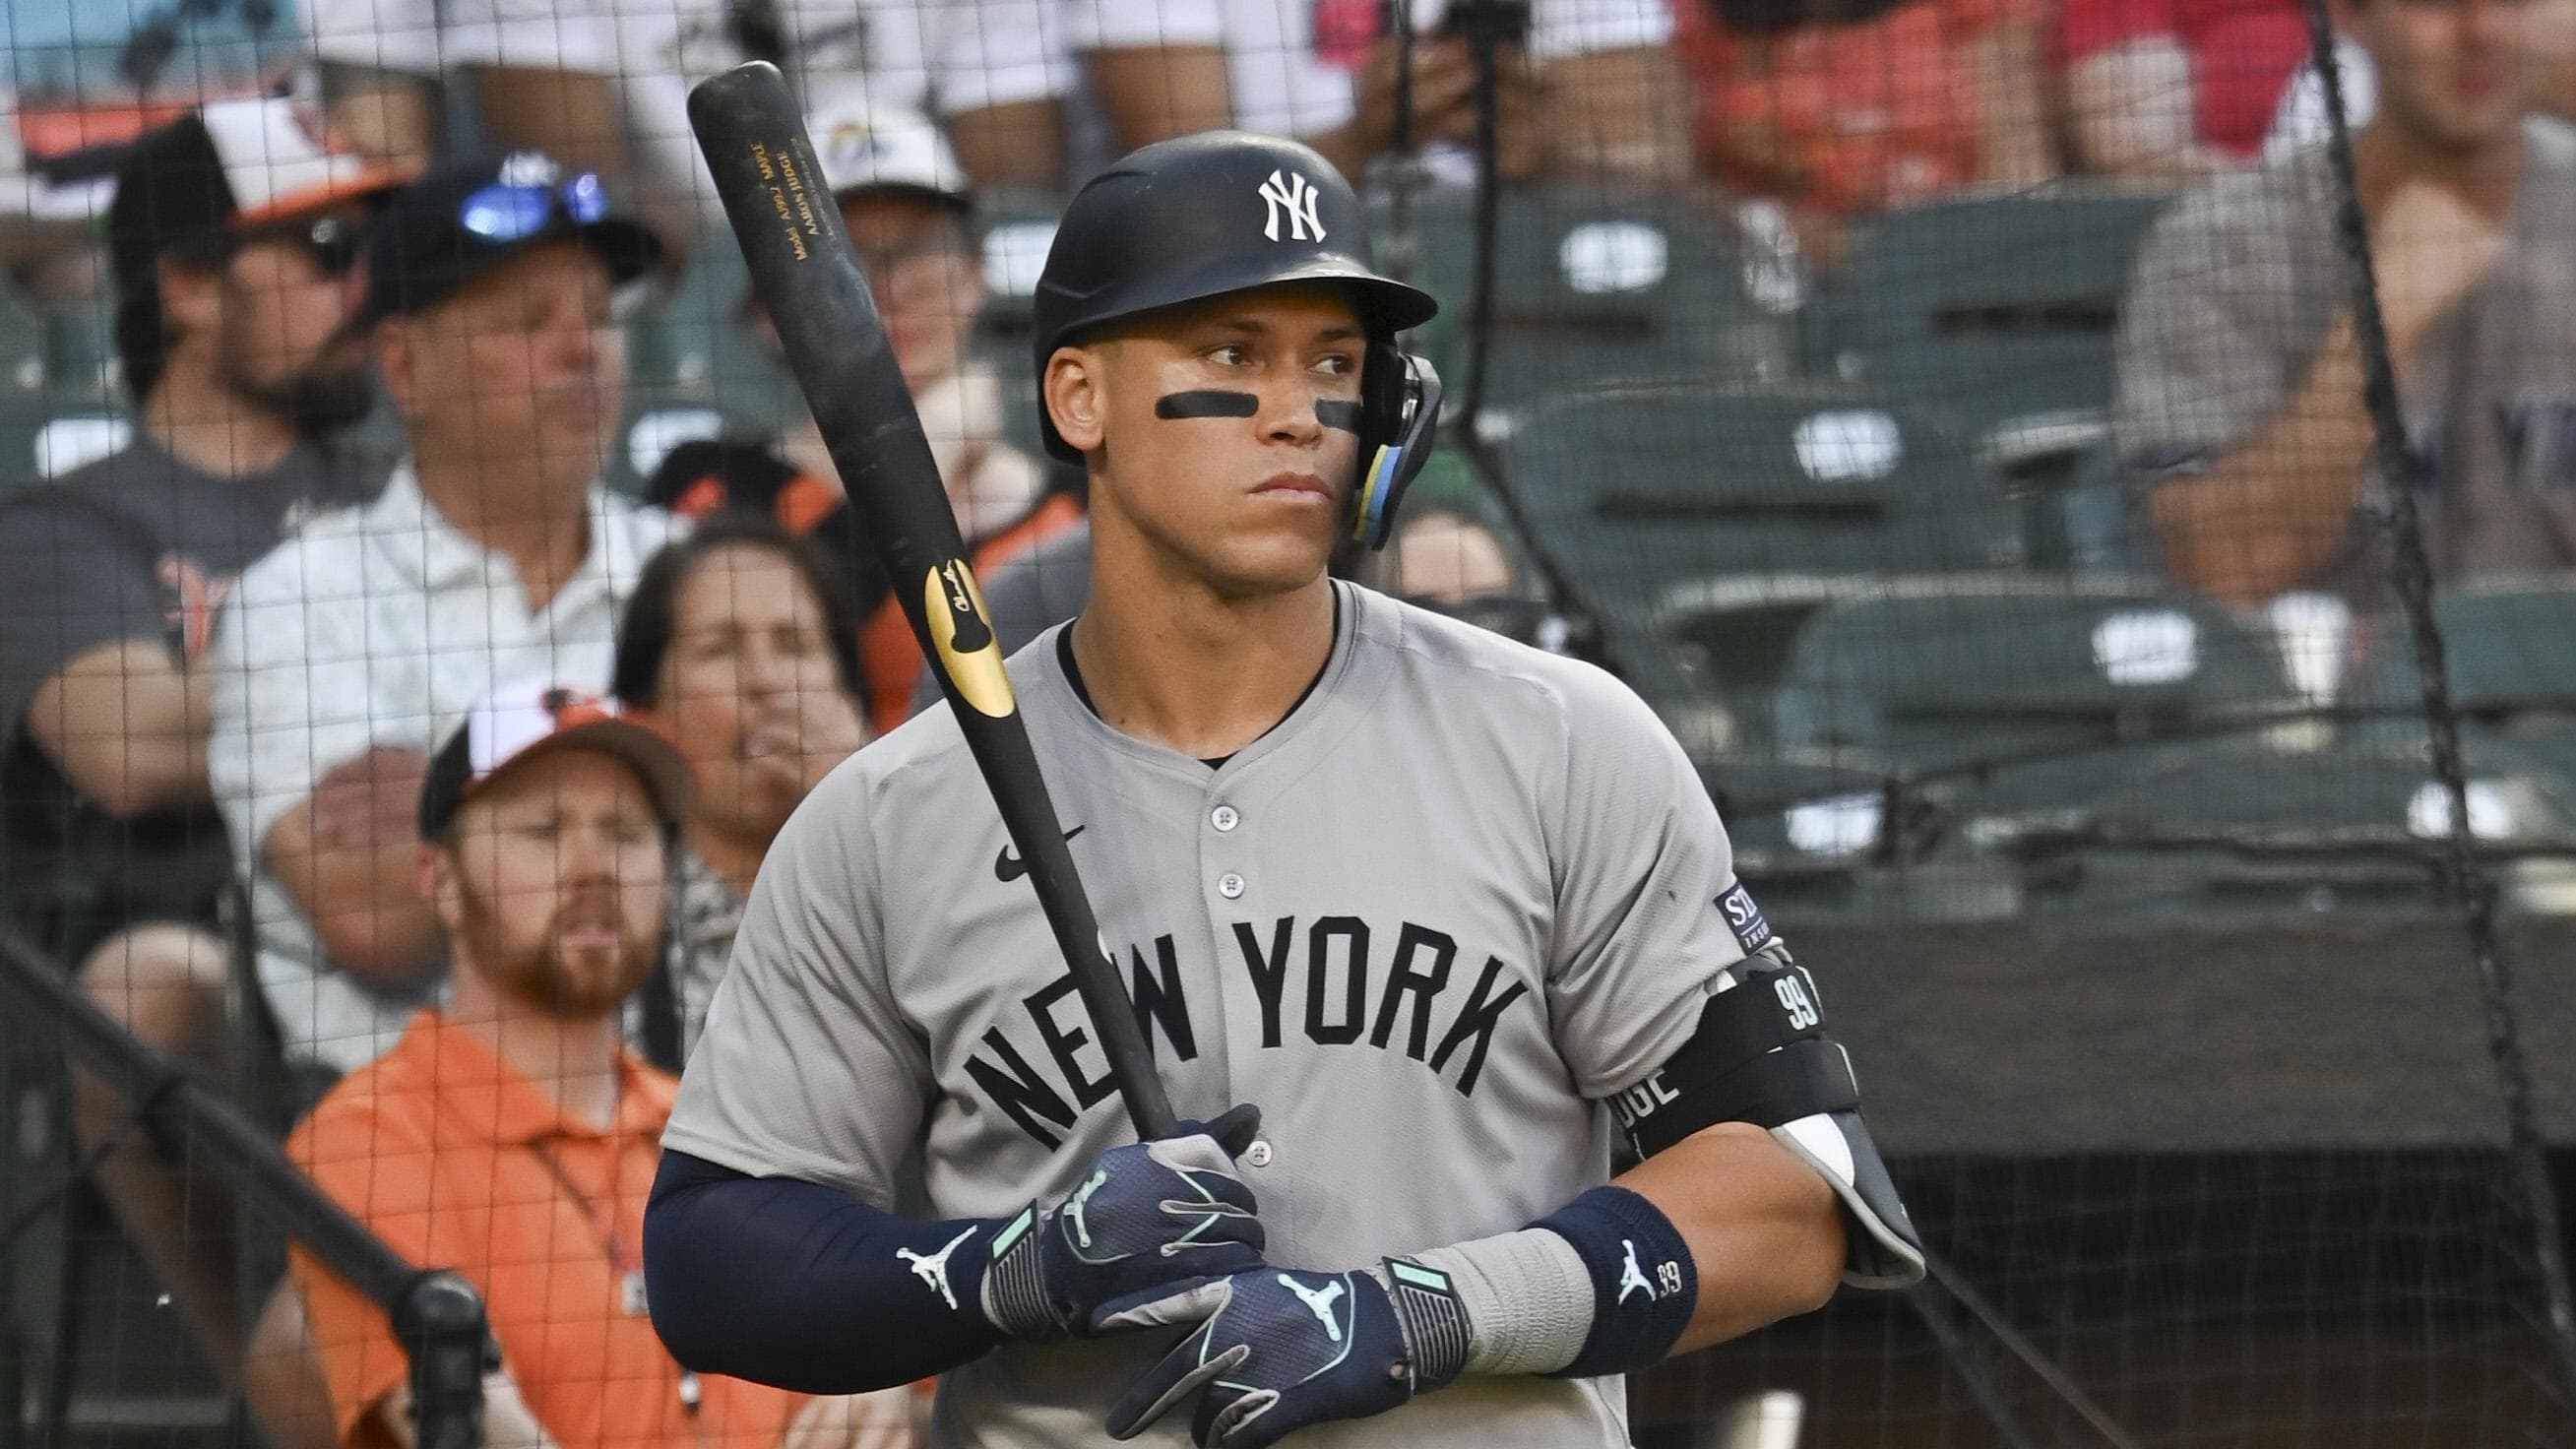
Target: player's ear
(1071, 391)
(438, 882)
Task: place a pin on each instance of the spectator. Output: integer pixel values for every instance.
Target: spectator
(2240, 409)
(493, 553)
(603, 84)
(229, 233)
(2175, 90)
(911, 220)
(742, 636)
(509, 1135)
(1838, 108)
(1591, 90)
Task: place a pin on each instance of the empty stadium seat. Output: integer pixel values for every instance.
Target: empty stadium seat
(2506, 644)
(690, 348)
(1947, 673)
(1999, 309)
(1643, 488)
(2232, 824)
(2510, 650)
(1588, 289)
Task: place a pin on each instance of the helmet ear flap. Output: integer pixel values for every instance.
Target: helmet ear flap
(1399, 410)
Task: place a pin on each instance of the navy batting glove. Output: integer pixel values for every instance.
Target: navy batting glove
(1282, 1350)
(1138, 1243)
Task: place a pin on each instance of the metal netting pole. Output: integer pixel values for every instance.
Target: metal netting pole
(2411, 568)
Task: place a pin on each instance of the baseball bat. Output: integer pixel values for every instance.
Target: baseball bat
(803, 272)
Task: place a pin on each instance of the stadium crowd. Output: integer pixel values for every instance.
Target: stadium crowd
(347, 635)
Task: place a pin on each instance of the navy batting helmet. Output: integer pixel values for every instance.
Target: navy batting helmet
(1228, 211)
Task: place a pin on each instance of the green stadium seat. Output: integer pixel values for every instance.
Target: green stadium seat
(59, 406)
(690, 349)
(2511, 643)
(1588, 289)
(1997, 309)
(1959, 674)
(1641, 489)
(2510, 649)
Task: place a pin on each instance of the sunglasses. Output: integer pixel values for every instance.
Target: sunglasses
(509, 212)
(335, 243)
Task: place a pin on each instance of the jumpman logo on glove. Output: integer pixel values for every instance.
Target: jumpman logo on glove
(1318, 1304)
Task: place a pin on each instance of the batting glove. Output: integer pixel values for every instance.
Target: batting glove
(1147, 1231)
(1283, 1350)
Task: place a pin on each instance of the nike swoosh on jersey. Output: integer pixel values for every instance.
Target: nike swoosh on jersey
(1008, 867)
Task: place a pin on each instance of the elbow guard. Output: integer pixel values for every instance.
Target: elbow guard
(1761, 1055)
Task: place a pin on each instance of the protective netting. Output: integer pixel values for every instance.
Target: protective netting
(1960, 419)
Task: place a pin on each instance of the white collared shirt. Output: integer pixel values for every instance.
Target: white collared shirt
(377, 627)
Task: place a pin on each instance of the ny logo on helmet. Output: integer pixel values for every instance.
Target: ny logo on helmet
(1291, 193)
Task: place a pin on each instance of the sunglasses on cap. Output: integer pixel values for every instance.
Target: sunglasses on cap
(513, 211)
(333, 242)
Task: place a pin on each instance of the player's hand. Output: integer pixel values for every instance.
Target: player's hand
(1283, 1350)
(1141, 1241)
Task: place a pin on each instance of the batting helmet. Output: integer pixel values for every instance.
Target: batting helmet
(1227, 211)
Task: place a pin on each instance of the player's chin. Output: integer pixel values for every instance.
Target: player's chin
(1273, 560)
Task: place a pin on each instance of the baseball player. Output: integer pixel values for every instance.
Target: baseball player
(1448, 910)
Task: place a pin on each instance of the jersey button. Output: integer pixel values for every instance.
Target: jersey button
(1229, 885)
(1225, 817)
(1257, 1155)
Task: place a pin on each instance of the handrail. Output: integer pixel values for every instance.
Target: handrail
(436, 1315)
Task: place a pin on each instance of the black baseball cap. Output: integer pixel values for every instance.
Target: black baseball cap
(517, 721)
(223, 169)
(455, 225)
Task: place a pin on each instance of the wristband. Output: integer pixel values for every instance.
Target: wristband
(1644, 1284)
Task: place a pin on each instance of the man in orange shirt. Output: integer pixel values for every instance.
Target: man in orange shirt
(508, 1134)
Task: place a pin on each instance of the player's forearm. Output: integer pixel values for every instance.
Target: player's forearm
(804, 1287)
(2273, 512)
(1764, 1233)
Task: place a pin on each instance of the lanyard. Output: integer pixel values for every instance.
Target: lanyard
(623, 1261)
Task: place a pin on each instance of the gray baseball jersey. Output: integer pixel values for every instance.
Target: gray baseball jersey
(2240, 281)
(1461, 895)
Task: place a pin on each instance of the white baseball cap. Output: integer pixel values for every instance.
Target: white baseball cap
(867, 148)
(234, 163)
(519, 720)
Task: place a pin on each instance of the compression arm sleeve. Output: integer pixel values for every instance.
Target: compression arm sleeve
(804, 1287)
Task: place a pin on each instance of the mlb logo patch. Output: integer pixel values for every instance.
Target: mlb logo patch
(1744, 919)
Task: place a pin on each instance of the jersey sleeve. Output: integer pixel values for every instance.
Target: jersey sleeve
(2202, 345)
(1644, 877)
(806, 1069)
